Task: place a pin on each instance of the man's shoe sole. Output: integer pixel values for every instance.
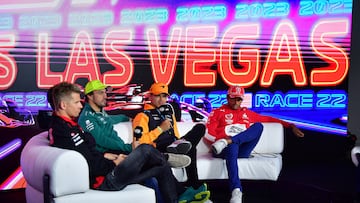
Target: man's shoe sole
(215, 150)
(201, 197)
(182, 148)
(180, 165)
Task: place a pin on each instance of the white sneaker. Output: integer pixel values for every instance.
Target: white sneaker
(236, 196)
(219, 145)
(178, 160)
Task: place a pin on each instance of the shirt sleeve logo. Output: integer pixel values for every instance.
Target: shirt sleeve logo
(76, 139)
(89, 125)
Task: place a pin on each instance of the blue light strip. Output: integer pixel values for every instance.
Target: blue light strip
(9, 147)
(313, 126)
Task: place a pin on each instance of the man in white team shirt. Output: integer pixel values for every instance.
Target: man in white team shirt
(234, 132)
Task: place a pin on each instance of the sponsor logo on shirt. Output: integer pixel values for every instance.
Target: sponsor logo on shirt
(89, 125)
(156, 117)
(229, 118)
(76, 139)
(245, 118)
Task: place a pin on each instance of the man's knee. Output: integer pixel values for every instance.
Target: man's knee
(200, 127)
(259, 126)
(146, 148)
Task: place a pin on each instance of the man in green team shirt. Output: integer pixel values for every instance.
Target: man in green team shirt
(96, 121)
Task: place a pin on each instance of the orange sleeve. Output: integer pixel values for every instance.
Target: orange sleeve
(148, 137)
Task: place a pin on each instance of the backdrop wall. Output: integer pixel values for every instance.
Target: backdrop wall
(291, 56)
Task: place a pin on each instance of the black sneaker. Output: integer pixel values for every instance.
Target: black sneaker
(179, 147)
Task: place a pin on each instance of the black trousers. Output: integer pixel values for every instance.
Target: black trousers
(194, 136)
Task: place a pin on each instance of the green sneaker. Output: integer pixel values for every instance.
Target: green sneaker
(187, 196)
(195, 196)
(202, 194)
(201, 197)
(202, 188)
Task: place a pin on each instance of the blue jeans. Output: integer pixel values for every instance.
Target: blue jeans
(152, 183)
(241, 147)
(142, 164)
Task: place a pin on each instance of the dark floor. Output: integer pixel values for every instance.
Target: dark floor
(323, 182)
(316, 168)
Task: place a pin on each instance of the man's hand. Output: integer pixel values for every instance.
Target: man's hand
(297, 131)
(110, 156)
(119, 159)
(166, 125)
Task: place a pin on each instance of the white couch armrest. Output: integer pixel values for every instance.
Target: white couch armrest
(65, 166)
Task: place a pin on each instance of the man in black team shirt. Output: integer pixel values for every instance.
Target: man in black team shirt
(107, 171)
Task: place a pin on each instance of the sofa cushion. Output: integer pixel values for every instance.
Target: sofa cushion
(265, 163)
(271, 140)
(258, 167)
(124, 131)
(131, 193)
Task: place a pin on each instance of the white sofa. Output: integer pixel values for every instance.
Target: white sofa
(62, 176)
(265, 163)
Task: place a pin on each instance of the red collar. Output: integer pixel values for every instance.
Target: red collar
(69, 120)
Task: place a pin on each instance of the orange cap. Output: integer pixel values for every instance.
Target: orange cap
(159, 88)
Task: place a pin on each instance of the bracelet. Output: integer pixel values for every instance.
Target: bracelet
(160, 129)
